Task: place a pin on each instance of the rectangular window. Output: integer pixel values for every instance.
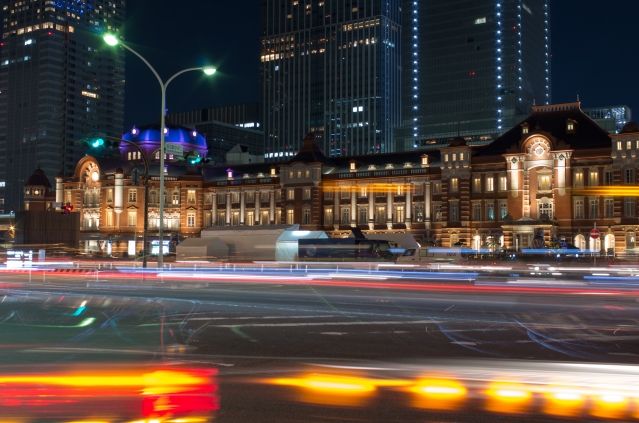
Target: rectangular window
(235, 218)
(503, 209)
(290, 194)
(328, 216)
(208, 220)
(545, 209)
(307, 173)
(628, 145)
(346, 216)
(221, 198)
(380, 215)
(67, 195)
(490, 184)
(175, 198)
(109, 218)
(490, 211)
(278, 196)
(363, 192)
(346, 193)
(306, 194)
(400, 215)
(208, 199)
(109, 195)
(609, 208)
(132, 218)
(476, 211)
(250, 197)
(579, 209)
(235, 197)
(608, 177)
(418, 189)
(399, 190)
(190, 196)
(362, 216)
(579, 179)
(544, 183)
(437, 211)
(264, 196)
(190, 220)
(454, 212)
(328, 194)
(454, 185)
(593, 178)
(503, 183)
(477, 184)
(619, 146)
(133, 196)
(630, 176)
(290, 217)
(437, 188)
(265, 219)
(306, 217)
(594, 209)
(629, 207)
(221, 218)
(419, 213)
(250, 218)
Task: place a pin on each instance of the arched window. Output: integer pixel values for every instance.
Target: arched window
(580, 242)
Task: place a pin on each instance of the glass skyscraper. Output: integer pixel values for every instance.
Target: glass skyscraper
(59, 81)
(473, 67)
(331, 67)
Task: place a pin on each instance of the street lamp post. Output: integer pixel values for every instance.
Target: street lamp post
(112, 40)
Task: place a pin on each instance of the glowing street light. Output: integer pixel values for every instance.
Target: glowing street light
(112, 40)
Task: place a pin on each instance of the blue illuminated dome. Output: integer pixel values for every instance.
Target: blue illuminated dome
(174, 134)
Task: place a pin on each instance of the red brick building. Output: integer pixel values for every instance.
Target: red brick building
(557, 170)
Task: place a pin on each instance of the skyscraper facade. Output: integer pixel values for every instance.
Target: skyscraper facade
(471, 68)
(331, 67)
(59, 81)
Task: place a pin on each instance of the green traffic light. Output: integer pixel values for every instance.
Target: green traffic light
(98, 142)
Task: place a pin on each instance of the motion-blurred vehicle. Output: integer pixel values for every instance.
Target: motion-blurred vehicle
(430, 255)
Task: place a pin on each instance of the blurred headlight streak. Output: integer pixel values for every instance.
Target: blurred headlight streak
(563, 402)
(508, 397)
(331, 390)
(439, 394)
(111, 394)
(610, 405)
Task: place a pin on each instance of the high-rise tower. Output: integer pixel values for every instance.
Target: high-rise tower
(58, 82)
(331, 67)
(476, 67)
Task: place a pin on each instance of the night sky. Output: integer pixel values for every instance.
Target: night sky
(593, 43)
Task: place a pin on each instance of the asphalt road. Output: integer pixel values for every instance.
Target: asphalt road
(256, 332)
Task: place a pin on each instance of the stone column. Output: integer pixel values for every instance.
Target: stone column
(242, 207)
(336, 215)
(59, 190)
(214, 209)
(272, 207)
(389, 207)
(228, 208)
(428, 203)
(409, 206)
(371, 210)
(258, 203)
(354, 206)
(119, 195)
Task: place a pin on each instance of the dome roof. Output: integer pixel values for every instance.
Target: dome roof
(38, 179)
(630, 127)
(175, 134)
(458, 142)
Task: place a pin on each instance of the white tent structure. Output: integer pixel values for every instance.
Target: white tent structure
(202, 249)
(249, 243)
(287, 246)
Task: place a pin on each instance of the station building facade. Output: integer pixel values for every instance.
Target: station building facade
(558, 171)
